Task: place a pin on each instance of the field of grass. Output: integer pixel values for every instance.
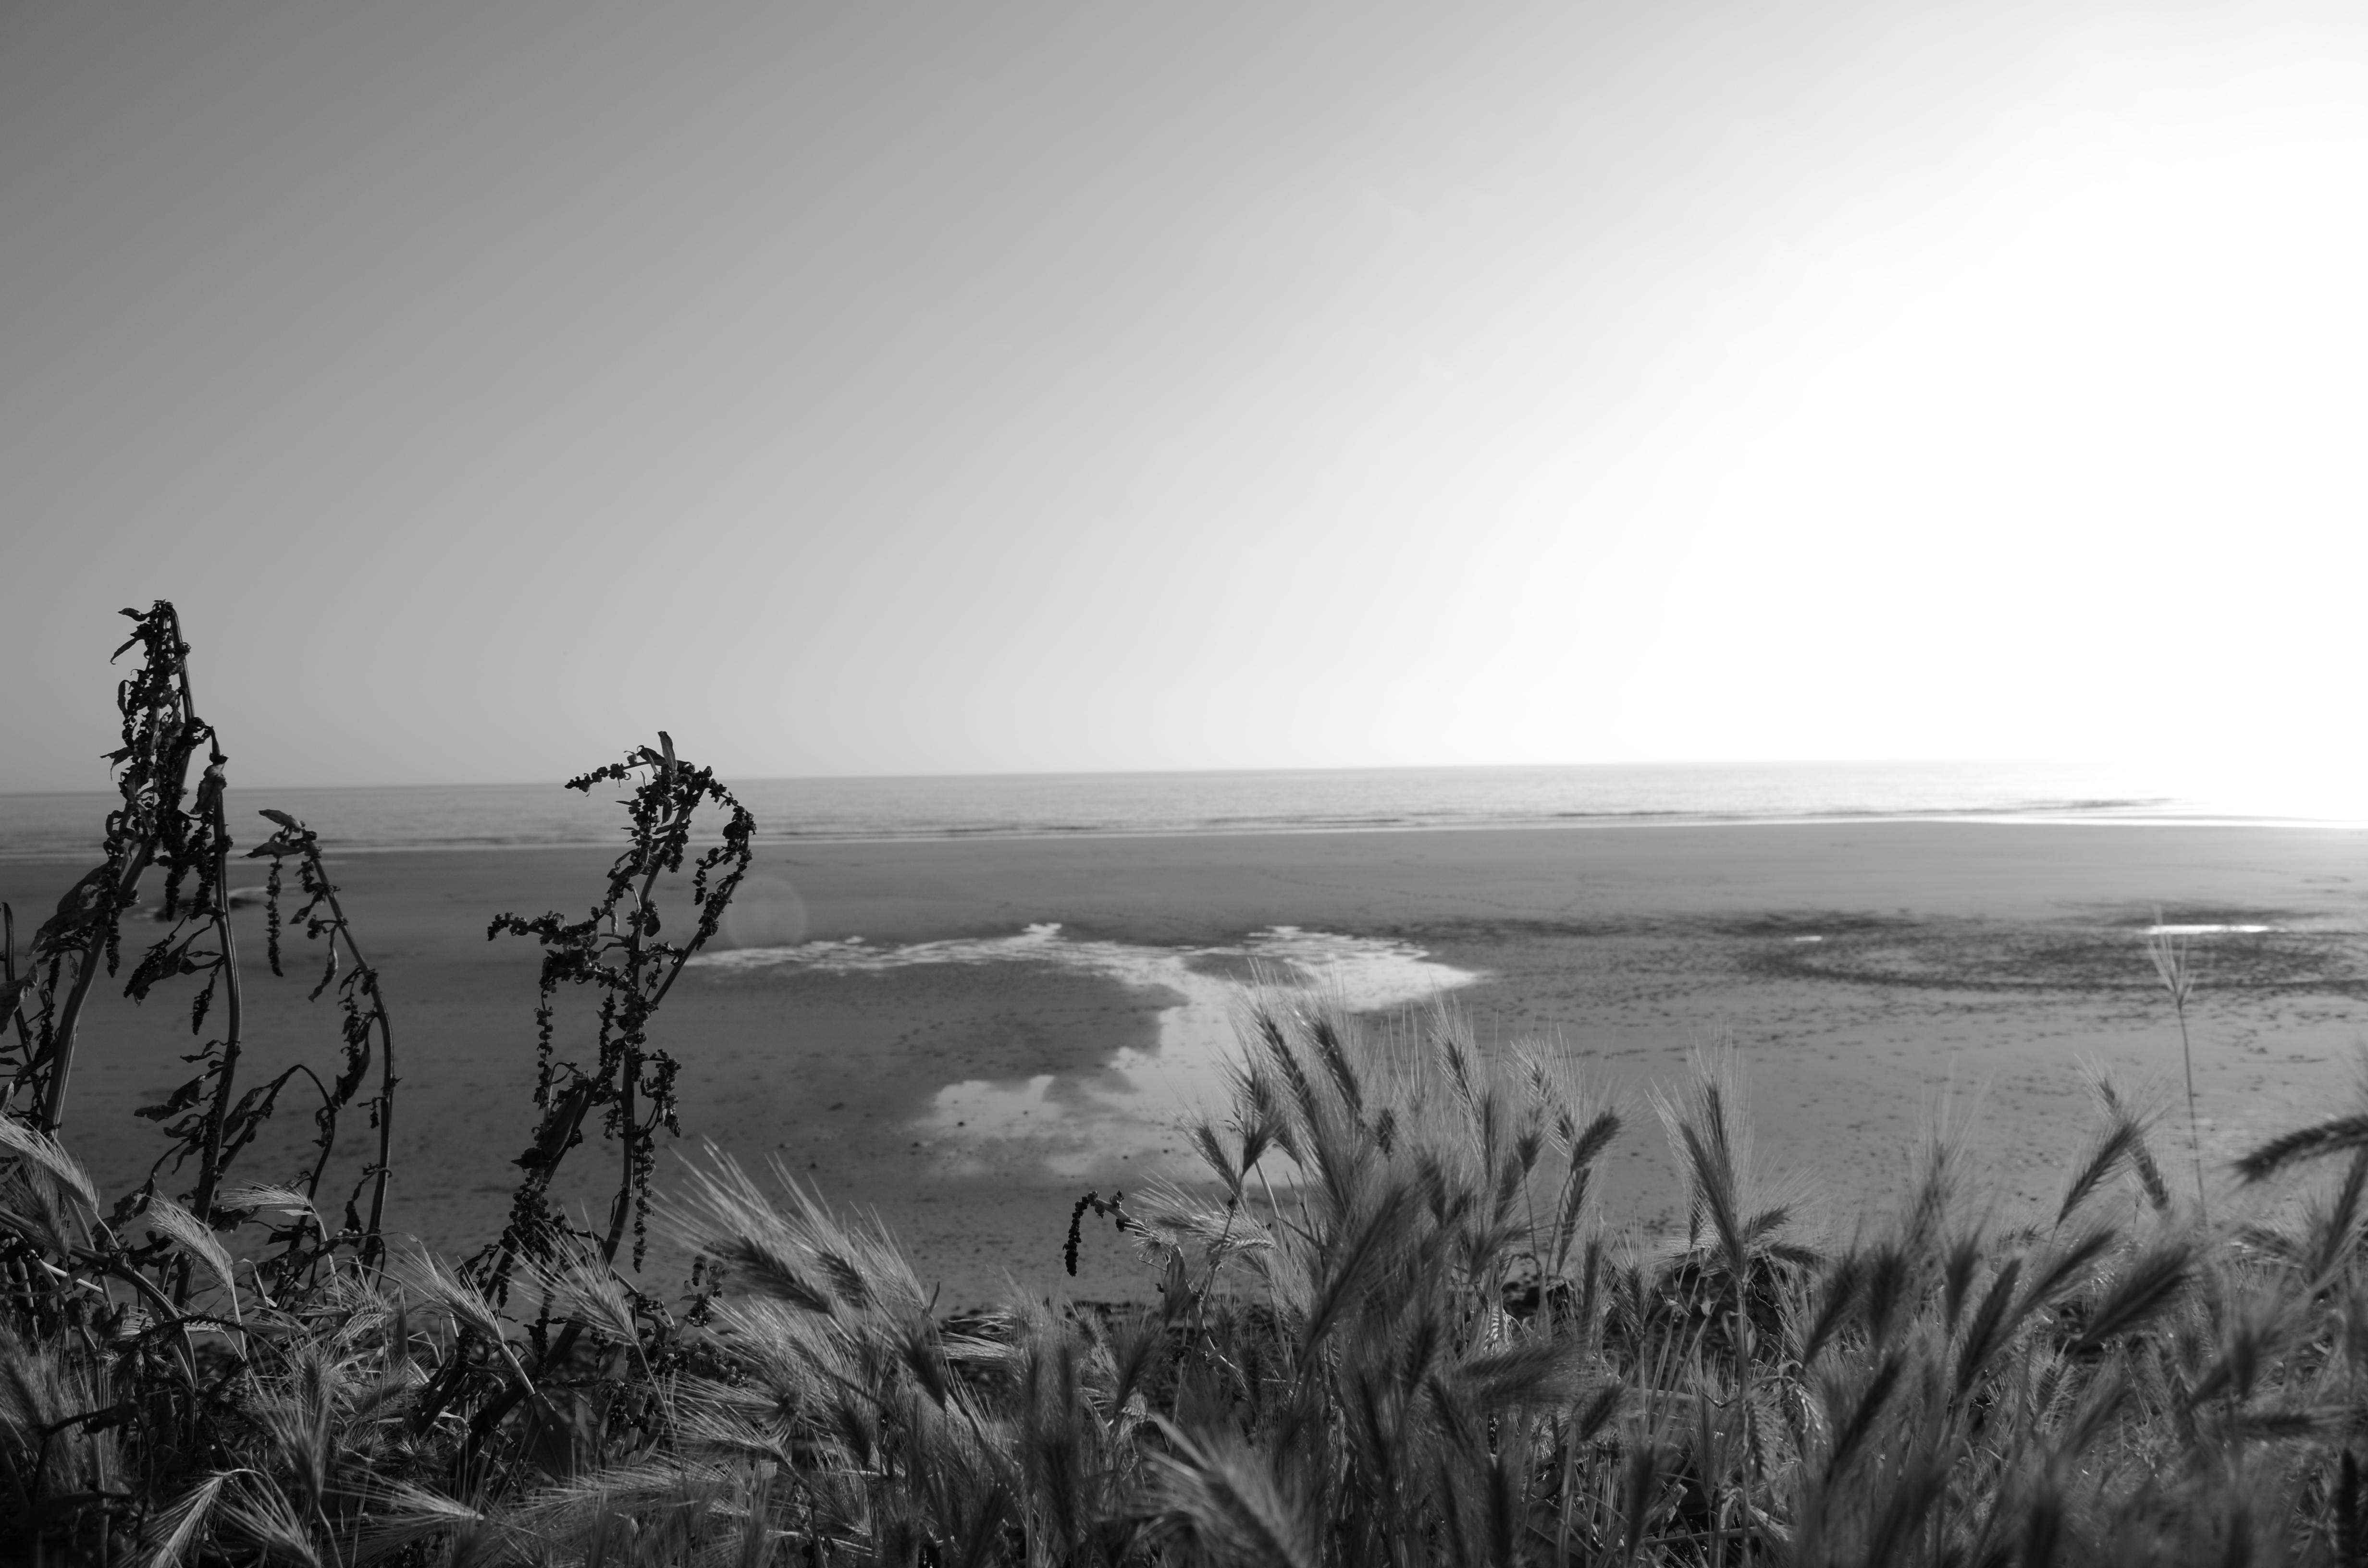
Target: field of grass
(1391, 1325)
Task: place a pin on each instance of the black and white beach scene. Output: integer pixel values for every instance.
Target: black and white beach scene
(1062, 785)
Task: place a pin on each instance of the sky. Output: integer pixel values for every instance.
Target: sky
(860, 388)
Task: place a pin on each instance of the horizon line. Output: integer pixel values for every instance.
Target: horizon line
(1219, 772)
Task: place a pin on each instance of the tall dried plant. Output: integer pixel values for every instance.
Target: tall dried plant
(618, 951)
(2174, 966)
(365, 1020)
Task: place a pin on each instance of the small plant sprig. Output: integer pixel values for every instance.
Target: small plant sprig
(617, 951)
(1112, 1209)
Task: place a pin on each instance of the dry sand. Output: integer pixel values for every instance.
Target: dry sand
(1990, 954)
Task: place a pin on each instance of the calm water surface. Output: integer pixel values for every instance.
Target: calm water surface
(1009, 805)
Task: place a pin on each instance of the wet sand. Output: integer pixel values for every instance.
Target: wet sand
(1990, 954)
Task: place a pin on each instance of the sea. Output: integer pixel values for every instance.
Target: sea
(490, 816)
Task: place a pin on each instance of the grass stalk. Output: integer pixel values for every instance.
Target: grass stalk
(2174, 966)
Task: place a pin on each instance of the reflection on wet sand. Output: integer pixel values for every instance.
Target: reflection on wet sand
(1129, 1107)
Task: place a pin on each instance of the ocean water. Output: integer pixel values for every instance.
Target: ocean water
(788, 809)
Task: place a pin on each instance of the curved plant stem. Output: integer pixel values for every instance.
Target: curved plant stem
(233, 1020)
(365, 978)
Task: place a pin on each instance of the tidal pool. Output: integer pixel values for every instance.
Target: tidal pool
(1127, 1108)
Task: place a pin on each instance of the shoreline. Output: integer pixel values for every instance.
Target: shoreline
(1962, 952)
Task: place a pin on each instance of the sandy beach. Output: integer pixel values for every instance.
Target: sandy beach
(1860, 967)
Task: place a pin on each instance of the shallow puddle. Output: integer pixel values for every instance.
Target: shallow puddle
(1129, 1108)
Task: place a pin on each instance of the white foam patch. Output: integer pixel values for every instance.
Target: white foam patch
(2204, 930)
(1127, 1108)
